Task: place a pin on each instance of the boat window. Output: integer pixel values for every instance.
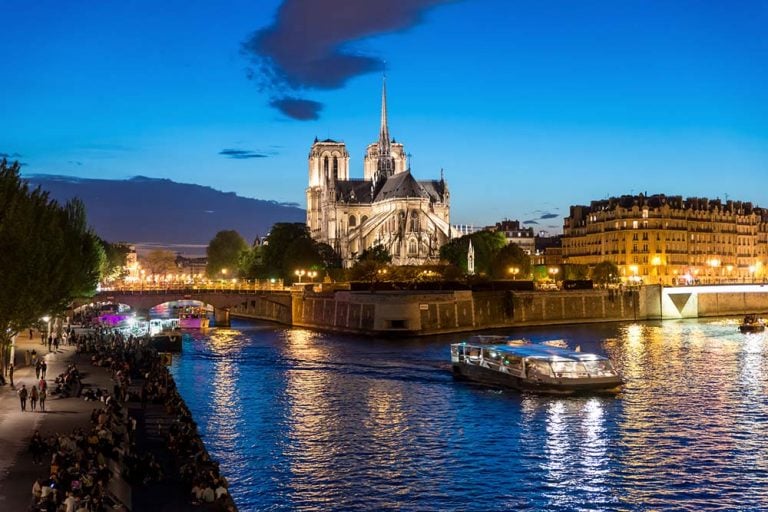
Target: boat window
(568, 369)
(513, 363)
(539, 368)
(474, 353)
(599, 368)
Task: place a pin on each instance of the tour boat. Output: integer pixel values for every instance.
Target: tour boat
(752, 323)
(523, 365)
(193, 318)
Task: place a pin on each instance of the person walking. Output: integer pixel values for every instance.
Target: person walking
(36, 447)
(33, 396)
(43, 395)
(10, 374)
(23, 397)
(43, 369)
(38, 366)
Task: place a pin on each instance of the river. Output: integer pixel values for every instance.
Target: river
(301, 420)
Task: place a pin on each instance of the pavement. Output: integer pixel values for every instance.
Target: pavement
(62, 415)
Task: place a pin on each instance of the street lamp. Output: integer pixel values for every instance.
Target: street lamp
(300, 273)
(312, 275)
(553, 273)
(47, 320)
(752, 269)
(514, 271)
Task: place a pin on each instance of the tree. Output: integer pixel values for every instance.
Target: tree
(47, 252)
(485, 243)
(282, 235)
(224, 253)
(511, 257)
(574, 271)
(159, 261)
(115, 259)
(251, 263)
(301, 254)
(330, 258)
(377, 253)
(605, 272)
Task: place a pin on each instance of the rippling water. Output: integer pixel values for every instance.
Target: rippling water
(310, 421)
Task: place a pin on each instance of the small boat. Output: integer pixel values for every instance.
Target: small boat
(542, 368)
(166, 341)
(752, 323)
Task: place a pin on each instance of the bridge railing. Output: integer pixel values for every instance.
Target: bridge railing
(221, 287)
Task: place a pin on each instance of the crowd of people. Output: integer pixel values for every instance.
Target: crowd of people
(80, 465)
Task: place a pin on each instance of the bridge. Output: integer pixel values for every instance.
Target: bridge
(268, 303)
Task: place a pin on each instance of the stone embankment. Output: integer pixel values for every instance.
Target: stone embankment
(440, 312)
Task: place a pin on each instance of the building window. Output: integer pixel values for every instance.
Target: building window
(415, 221)
(634, 224)
(335, 168)
(352, 221)
(412, 247)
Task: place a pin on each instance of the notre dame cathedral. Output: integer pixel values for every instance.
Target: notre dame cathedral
(388, 207)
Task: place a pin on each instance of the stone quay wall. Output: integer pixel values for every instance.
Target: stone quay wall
(434, 312)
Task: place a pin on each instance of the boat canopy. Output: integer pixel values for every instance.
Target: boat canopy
(536, 351)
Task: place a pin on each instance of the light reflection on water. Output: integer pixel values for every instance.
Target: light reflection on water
(310, 421)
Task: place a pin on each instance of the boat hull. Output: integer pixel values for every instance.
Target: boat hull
(751, 328)
(560, 386)
(166, 343)
(194, 323)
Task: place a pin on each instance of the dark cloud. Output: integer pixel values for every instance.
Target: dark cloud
(296, 108)
(530, 222)
(75, 162)
(307, 46)
(548, 216)
(241, 154)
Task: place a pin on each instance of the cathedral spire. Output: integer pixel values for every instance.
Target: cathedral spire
(385, 167)
(384, 141)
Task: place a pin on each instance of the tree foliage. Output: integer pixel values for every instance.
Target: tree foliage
(485, 243)
(159, 261)
(115, 259)
(224, 253)
(509, 257)
(377, 253)
(47, 252)
(605, 272)
(287, 248)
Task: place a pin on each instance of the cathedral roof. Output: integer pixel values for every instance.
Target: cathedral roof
(354, 191)
(401, 184)
(434, 188)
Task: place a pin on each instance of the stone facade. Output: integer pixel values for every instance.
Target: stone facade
(388, 207)
(670, 240)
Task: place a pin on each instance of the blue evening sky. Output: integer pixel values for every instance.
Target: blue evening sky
(529, 106)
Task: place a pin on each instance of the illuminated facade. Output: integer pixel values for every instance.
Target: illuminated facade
(670, 240)
(388, 207)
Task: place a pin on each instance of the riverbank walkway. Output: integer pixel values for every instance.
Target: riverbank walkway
(61, 416)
